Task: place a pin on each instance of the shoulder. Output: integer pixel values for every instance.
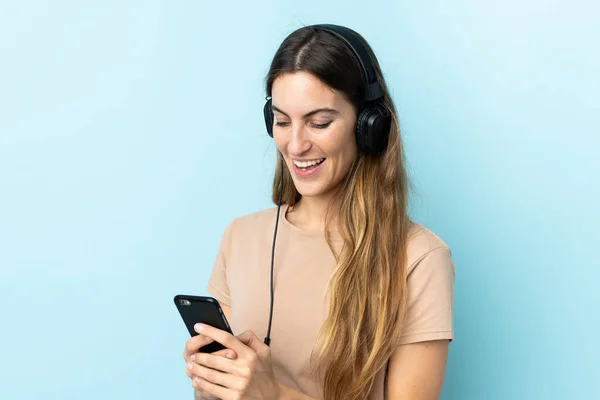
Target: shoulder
(252, 222)
(423, 244)
(247, 230)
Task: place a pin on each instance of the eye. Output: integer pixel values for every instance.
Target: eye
(322, 126)
(318, 126)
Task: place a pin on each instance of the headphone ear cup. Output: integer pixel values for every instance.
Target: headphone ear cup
(373, 129)
(268, 112)
(362, 140)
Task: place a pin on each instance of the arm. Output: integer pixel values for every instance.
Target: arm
(417, 366)
(416, 371)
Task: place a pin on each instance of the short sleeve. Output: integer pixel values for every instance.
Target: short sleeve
(217, 283)
(430, 298)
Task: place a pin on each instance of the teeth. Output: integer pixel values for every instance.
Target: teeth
(304, 164)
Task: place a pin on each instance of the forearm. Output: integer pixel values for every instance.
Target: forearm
(287, 393)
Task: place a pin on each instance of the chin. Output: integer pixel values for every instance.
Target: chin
(311, 190)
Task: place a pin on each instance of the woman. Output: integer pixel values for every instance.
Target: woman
(363, 296)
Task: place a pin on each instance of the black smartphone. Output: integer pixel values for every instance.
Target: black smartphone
(203, 309)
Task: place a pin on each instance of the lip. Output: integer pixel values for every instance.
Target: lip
(306, 174)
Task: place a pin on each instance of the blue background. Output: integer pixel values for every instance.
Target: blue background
(131, 133)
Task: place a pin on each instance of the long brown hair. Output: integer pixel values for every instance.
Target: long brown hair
(367, 292)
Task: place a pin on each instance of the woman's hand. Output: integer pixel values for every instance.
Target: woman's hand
(191, 352)
(247, 376)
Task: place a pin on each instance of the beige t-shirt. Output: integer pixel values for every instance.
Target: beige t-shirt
(303, 265)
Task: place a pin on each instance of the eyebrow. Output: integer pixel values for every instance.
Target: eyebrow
(310, 113)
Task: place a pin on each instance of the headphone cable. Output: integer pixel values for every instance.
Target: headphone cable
(267, 340)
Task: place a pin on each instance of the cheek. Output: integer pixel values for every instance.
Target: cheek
(279, 142)
(343, 147)
(345, 161)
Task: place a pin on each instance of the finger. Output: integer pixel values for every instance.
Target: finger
(203, 394)
(213, 389)
(188, 371)
(251, 340)
(223, 337)
(215, 362)
(227, 353)
(194, 344)
(214, 376)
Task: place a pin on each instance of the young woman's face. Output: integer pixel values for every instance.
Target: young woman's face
(314, 131)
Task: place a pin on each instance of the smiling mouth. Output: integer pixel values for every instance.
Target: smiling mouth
(308, 165)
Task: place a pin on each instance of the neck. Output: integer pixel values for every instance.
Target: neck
(309, 213)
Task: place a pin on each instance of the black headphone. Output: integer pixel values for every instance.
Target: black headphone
(374, 120)
(372, 124)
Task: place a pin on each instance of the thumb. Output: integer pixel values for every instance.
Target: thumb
(228, 353)
(252, 341)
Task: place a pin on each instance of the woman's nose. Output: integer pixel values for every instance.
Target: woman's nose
(299, 141)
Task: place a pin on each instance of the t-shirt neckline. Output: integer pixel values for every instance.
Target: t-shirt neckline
(304, 232)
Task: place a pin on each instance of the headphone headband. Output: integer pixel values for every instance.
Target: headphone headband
(373, 90)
